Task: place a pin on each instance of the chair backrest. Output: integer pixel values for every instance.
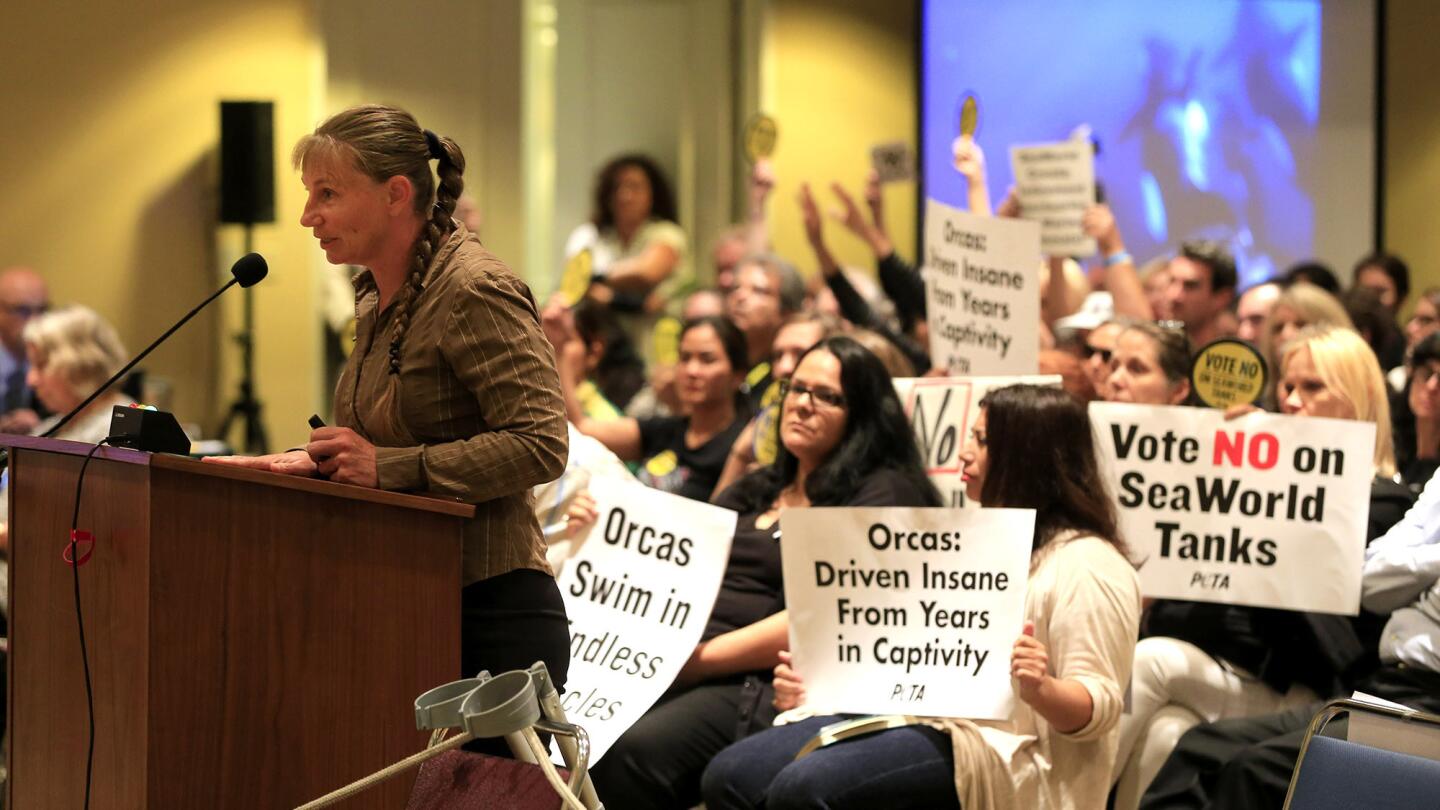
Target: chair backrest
(1343, 775)
(460, 780)
(1333, 774)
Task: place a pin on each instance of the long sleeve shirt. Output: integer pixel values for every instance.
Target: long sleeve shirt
(1402, 574)
(475, 412)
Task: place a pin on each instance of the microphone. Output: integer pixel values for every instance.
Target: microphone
(248, 271)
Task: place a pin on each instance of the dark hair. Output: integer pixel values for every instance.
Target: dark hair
(620, 373)
(1392, 266)
(1216, 258)
(1312, 272)
(1402, 417)
(1372, 319)
(662, 200)
(877, 437)
(737, 351)
(384, 142)
(1042, 457)
(1172, 348)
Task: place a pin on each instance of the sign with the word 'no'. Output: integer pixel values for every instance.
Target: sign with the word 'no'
(638, 594)
(942, 410)
(906, 610)
(1263, 510)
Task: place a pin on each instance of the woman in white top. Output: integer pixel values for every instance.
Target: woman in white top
(1032, 447)
(632, 248)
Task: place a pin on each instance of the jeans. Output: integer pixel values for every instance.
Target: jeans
(910, 767)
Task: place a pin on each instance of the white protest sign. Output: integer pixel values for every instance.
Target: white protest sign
(1264, 510)
(982, 292)
(1056, 185)
(905, 610)
(638, 594)
(941, 411)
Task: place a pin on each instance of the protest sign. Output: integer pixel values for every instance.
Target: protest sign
(941, 411)
(1263, 510)
(982, 292)
(638, 594)
(905, 610)
(893, 162)
(1055, 183)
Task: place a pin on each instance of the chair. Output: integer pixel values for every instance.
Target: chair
(1336, 774)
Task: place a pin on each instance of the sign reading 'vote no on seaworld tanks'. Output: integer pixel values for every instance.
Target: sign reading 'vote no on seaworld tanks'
(1263, 510)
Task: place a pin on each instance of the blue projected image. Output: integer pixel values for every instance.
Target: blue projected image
(1205, 111)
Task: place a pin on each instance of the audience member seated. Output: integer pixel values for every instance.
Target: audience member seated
(1202, 286)
(637, 251)
(1417, 416)
(1314, 273)
(1151, 366)
(1031, 448)
(23, 296)
(758, 444)
(1201, 662)
(1300, 305)
(680, 454)
(1247, 763)
(1389, 276)
(852, 305)
(1252, 310)
(844, 442)
(1376, 324)
(1424, 321)
(767, 291)
(70, 352)
(1097, 352)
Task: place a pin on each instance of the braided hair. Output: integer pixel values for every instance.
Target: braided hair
(384, 142)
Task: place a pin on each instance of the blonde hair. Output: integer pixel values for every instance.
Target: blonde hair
(384, 142)
(1314, 305)
(76, 344)
(1349, 369)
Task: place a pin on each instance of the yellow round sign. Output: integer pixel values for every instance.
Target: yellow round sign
(969, 116)
(575, 281)
(1228, 372)
(760, 135)
(662, 463)
(767, 426)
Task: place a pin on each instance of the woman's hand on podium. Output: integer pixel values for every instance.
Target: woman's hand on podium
(344, 456)
(291, 462)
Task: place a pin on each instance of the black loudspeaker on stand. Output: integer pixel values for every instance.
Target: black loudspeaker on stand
(247, 197)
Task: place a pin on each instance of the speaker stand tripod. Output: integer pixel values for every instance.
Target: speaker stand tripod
(245, 406)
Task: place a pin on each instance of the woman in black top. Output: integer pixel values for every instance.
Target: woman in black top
(844, 442)
(680, 454)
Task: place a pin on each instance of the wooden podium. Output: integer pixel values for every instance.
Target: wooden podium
(256, 640)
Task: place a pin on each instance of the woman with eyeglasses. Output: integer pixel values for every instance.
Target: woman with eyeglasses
(680, 454)
(1031, 448)
(1097, 350)
(844, 441)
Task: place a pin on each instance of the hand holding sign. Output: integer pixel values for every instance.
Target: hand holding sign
(789, 687)
(1099, 224)
(1029, 664)
(969, 159)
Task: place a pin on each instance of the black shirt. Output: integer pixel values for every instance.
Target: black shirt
(673, 467)
(753, 586)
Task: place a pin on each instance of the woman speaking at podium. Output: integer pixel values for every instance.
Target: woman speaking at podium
(451, 388)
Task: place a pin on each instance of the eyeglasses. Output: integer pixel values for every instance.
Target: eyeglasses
(1105, 354)
(822, 396)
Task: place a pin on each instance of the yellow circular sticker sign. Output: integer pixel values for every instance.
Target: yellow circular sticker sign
(760, 135)
(767, 426)
(665, 339)
(1228, 372)
(575, 281)
(662, 464)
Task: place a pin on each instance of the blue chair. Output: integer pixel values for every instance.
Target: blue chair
(1336, 774)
